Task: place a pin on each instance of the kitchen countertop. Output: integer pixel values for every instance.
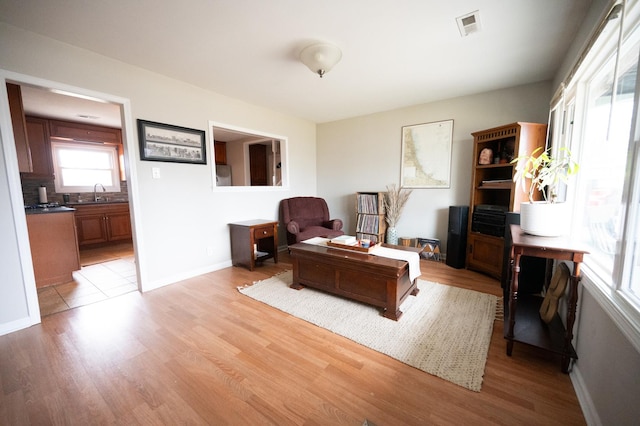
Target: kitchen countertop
(69, 207)
(93, 203)
(48, 210)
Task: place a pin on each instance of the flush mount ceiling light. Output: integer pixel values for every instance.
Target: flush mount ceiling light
(320, 57)
(78, 95)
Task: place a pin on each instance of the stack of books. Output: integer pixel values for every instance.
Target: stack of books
(345, 239)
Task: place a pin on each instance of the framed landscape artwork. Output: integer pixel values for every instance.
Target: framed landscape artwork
(426, 155)
(164, 142)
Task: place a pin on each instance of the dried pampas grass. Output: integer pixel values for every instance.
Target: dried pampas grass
(394, 202)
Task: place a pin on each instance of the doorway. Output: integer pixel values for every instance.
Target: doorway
(258, 164)
(106, 271)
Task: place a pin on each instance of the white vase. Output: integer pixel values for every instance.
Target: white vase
(545, 219)
(392, 235)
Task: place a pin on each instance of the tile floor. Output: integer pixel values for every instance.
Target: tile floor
(105, 273)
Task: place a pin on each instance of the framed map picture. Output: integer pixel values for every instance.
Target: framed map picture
(426, 155)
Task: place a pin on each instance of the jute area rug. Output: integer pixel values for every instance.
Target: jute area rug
(444, 330)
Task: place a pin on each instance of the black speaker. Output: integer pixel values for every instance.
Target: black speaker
(457, 236)
(533, 270)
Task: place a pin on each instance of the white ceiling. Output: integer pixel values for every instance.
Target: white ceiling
(395, 53)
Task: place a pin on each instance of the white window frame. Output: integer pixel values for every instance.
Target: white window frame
(621, 306)
(114, 160)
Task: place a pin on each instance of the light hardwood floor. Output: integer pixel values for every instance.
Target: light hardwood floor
(199, 352)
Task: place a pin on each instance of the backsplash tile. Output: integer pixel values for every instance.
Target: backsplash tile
(30, 193)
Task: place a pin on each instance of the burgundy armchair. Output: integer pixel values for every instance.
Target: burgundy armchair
(308, 217)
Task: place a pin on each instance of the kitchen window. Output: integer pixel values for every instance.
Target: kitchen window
(79, 167)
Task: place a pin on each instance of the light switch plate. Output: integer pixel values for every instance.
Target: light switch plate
(155, 172)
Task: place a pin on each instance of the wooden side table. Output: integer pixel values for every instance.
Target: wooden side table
(523, 323)
(253, 241)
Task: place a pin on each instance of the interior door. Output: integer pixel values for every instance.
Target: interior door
(258, 164)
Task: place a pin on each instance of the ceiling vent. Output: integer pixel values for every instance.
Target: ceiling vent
(469, 23)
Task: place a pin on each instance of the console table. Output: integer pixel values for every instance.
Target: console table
(523, 323)
(253, 241)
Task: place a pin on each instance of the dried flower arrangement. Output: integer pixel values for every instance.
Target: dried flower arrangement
(394, 201)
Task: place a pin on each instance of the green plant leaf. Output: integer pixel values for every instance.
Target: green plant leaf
(541, 171)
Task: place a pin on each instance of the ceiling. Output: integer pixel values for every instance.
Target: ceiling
(394, 53)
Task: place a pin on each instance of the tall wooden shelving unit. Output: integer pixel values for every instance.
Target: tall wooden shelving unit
(370, 216)
(492, 185)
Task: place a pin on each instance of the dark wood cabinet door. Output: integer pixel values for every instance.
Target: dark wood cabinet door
(40, 145)
(220, 151)
(258, 164)
(119, 226)
(485, 254)
(91, 228)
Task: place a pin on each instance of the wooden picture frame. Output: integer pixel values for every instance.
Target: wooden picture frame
(426, 155)
(164, 142)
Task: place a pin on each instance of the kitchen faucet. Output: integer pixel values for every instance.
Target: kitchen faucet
(95, 192)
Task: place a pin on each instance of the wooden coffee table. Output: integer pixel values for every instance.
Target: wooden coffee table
(375, 280)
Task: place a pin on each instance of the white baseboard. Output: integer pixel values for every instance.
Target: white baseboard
(584, 398)
(181, 277)
(16, 325)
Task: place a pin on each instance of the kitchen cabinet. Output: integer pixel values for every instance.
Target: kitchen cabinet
(102, 223)
(484, 254)
(40, 147)
(84, 132)
(19, 128)
(220, 151)
(54, 247)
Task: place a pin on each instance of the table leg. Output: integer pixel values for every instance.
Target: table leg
(295, 282)
(513, 301)
(415, 291)
(571, 317)
(392, 313)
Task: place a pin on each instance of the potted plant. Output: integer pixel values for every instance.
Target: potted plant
(543, 172)
(394, 202)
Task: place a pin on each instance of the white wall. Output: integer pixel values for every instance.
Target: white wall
(363, 154)
(178, 216)
(607, 373)
(596, 12)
